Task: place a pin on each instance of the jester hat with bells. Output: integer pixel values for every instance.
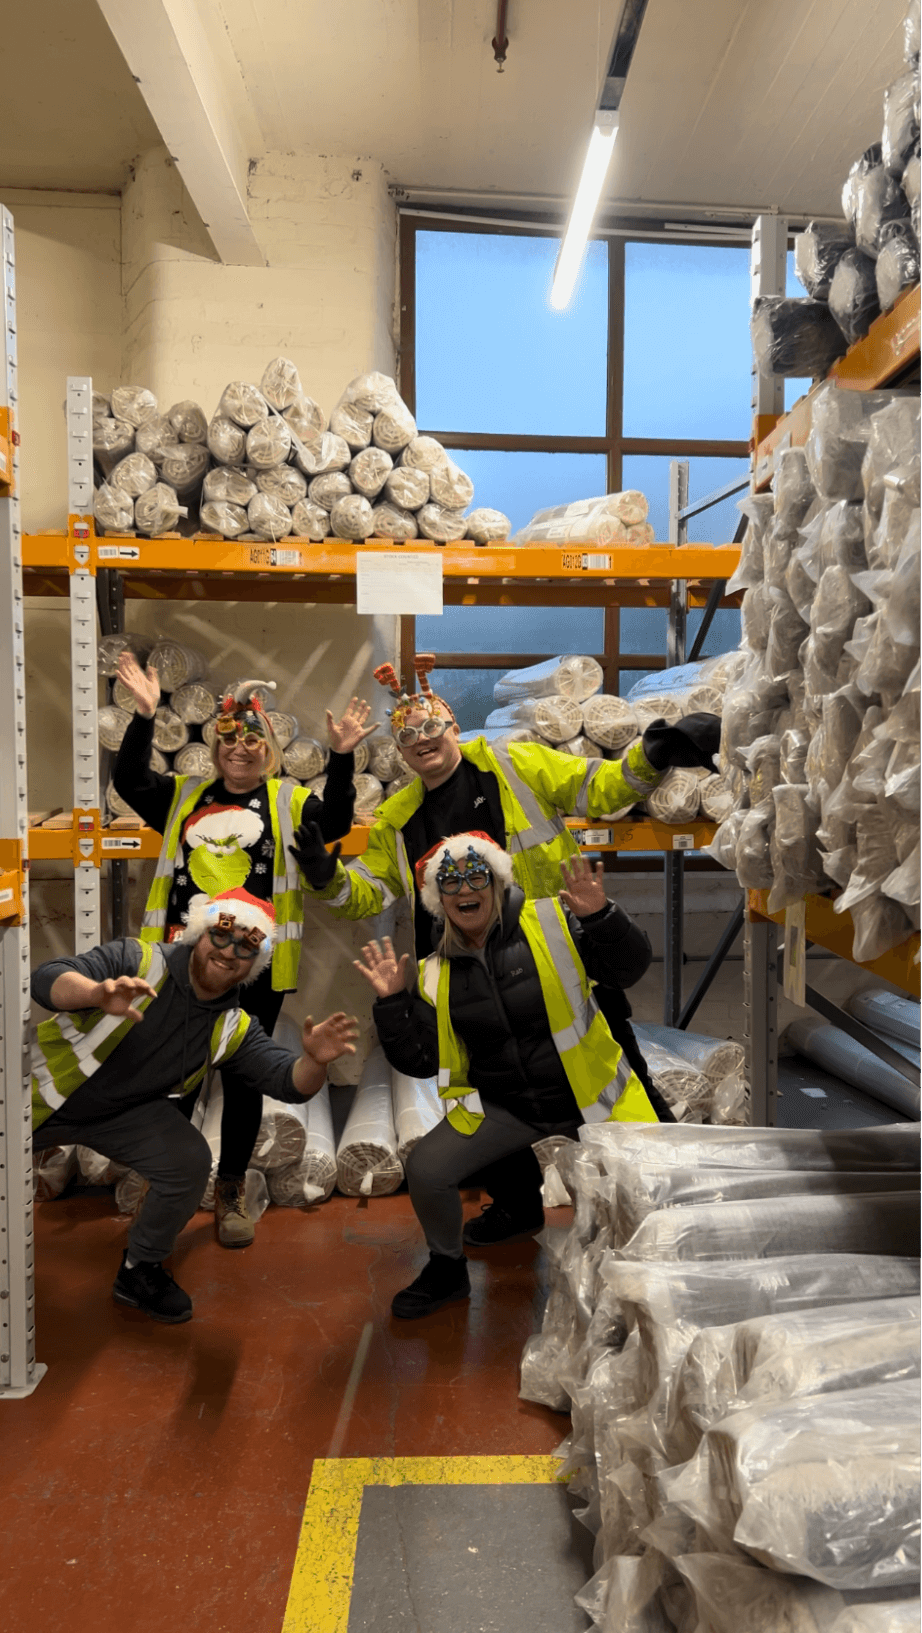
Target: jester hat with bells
(408, 702)
(235, 911)
(451, 858)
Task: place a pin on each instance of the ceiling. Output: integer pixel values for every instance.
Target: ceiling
(732, 103)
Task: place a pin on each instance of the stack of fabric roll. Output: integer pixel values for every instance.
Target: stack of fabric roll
(270, 465)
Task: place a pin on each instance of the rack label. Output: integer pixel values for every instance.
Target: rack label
(592, 836)
(6, 896)
(579, 562)
(683, 842)
(121, 844)
(267, 557)
(118, 552)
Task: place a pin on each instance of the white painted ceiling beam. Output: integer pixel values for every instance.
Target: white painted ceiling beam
(199, 106)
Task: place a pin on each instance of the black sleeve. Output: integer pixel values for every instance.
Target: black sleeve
(148, 792)
(334, 811)
(612, 947)
(105, 963)
(408, 1033)
(262, 1066)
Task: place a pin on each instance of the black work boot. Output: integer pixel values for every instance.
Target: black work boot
(147, 1286)
(495, 1225)
(441, 1281)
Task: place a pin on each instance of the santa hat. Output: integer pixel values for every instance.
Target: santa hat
(458, 849)
(234, 910)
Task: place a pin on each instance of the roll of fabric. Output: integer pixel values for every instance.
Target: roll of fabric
(176, 664)
(280, 384)
(134, 403)
(406, 488)
(269, 443)
(715, 1057)
(269, 518)
(576, 677)
(485, 526)
(351, 518)
(194, 703)
(418, 1107)
(183, 468)
(226, 519)
(284, 482)
(304, 757)
(310, 521)
(112, 724)
(194, 761)
(188, 421)
(367, 1163)
(158, 511)
(839, 1054)
(134, 475)
(678, 797)
(888, 1012)
(170, 733)
(285, 726)
(243, 404)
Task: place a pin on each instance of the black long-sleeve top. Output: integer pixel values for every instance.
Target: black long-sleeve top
(497, 1010)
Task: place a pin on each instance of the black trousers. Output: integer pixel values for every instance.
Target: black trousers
(243, 1110)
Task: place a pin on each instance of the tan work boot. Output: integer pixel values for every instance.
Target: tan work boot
(233, 1224)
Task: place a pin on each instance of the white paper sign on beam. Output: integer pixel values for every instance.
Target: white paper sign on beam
(395, 581)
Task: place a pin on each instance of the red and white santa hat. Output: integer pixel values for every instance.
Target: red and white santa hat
(234, 910)
(460, 849)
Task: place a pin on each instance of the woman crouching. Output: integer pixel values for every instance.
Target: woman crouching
(506, 1012)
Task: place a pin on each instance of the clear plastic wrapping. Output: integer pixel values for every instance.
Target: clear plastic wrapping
(243, 403)
(113, 509)
(758, 1229)
(367, 1163)
(170, 733)
(390, 522)
(327, 489)
(52, 1170)
(353, 424)
(393, 428)
(134, 475)
(901, 123)
(112, 725)
(407, 488)
(853, 296)
(836, 1052)
(112, 439)
(717, 797)
(911, 189)
(557, 719)
(305, 416)
(418, 1107)
(715, 1057)
(816, 253)
(888, 1146)
(575, 677)
(135, 404)
(604, 520)
(385, 760)
(369, 791)
(351, 517)
(176, 664)
(677, 798)
(285, 483)
(313, 1178)
(304, 758)
(369, 471)
(758, 508)
(840, 427)
(326, 453)
(609, 721)
(897, 262)
(188, 421)
(794, 337)
(442, 526)
(224, 518)
(158, 510)
(485, 526)
(450, 487)
(268, 517)
(280, 384)
(194, 761)
(184, 467)
(225, 484)
(194, 703)
(155, 437)
(891, 1013)
(227, 441)
(268, 443)
(423, 454)
(373, 392)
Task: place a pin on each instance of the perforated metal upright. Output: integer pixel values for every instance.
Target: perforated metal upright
(83, 648)
(674, 861)
(19, 1370)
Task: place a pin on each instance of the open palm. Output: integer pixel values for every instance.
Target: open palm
(144, 685)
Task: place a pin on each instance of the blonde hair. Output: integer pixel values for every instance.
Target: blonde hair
(452, 941)
(272, 764)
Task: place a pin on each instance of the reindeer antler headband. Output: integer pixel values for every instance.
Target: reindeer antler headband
(406, 702)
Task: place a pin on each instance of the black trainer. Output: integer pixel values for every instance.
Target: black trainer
(147, 1286)
(495, 1225)
(441, 1281)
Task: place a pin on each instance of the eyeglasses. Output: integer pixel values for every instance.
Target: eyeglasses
(477, 878)
(407, 735)
(229, 725)
(244, 948)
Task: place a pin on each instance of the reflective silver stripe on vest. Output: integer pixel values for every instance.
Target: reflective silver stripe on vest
(444, 1077)
(616, 1086)
(342, 895)
(228, 1027)
(403, 866)
(289, 876)
(467, 1102)
(85, 1044)
(584, 1009)
(372, 879)
(544, 829)
(45, 1082)
(581, 808)
(431, 977)
(291, 930)
(637, 783)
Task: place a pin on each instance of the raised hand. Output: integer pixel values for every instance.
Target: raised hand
(144, 685)
(116, 996)
(382, 969)
(584, 887)
(331, 1038)
(345, 734)
(309, 851)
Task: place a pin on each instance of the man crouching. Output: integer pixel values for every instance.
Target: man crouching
(120, 1067)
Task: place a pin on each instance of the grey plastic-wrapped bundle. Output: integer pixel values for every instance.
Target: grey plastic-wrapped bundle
(604, 520)
(887, 1012)
(134, 403)
(406, 488)
(194, 761)
(888, 1146)
(677, 798)
(715, 1057)
(305, 417)
(194, 703)
(794, 337)
(901, 124)
(134, 475)
(285, 726)
(112, 440)
(373, 392)
(794, 490)
(891, 462)
(188, 421)
(450, 487)
(155, 438)
(393, 427)
(369, 791)
(353, 424)
(280, 384)
(716, 797)
(268, 518)
(794, 847)
(839, 1054)
(269, 443)
(385, 760)
(753, 853)
(609, 721)
(853, 296)
(897, 262)
(176, 664)
(557, 719)
(369, 471)
(840, 426)
(389, 522)
(418, 1107)
(112, 725)
(158, 510)
(423, 454)
(226, 484)
(758, 508)
(759, 1229)
(323, 454)
(113, 509)
(313, 1177)
(911, 184)
(227, 441)
(574, 677)
(879, 1616)
(325, 490)
(678, 1080)
(184, 467)
(227, 519)
(485, 525)
(879, 198)
(735, 1595)
(243, 403)
(52, 1170)
(351, 517)
(310, 521)
(440, 525)
(284, 482)
(367, 1163)
(170, 733)
(304, 757)
(816, 251)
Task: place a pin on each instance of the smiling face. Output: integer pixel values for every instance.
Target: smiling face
(241, 768)
(431, 758)
(214, 970)
(471, 912)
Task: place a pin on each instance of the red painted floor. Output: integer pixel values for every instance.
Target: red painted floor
(157, 1476)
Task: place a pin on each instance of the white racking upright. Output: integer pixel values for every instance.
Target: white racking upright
(83, 649)
(19, 1370)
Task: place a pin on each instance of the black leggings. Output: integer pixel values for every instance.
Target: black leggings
(243, 1109)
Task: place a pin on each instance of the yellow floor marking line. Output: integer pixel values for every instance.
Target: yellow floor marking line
(321, 1582)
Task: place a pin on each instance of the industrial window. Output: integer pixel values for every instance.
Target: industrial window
(650, 363)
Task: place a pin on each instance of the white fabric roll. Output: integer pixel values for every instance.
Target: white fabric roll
(158, 510)
(389, 522)
(112, 724)
(353, 424)
(369, 791)
(393, 428)
(372, 392)
(243, 403)
(609, 721)
(188, 421)
(424, 454)
(155, 438)
(418, 1107)
(170, 733)
(269, 443)
(312, 1178)
(184, 467)
(351, 517)
(407, 488)
(367, 1163)
(440, 525)
(304, 757)
(134, 475)
(176, 664)
(227, 484)
(305, 416)
(113, 509)
(227, 519)
(325, 490)
(194, 703)
(485, 525)
(280, 384)
(227, 441)
(369, 471)
(324, 452)
(310, 521)
(575, 677)
(134, 403)
(285, 726)
(677, 799)
(268, 517)
(450, 487)
(283, 482)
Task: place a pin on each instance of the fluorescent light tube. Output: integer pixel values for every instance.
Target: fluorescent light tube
(585, 204)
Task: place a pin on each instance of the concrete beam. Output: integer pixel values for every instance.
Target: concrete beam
(200, 108)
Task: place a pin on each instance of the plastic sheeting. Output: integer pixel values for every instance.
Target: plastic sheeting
(574, 677)
(604, 521)
(816, 252)
(758, 1228)
(367, 1163)
(310, 521)
(557, 719)
(485, 525)
(609, 721)
(418, 1107)
(794, 337)
(887, 1012)
(836, 1052)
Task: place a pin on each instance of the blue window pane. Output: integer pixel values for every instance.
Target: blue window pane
(687, 350)
(794, 289)
(491, 355)
(469, 693)
(650, 473)
(643, 629)
(551, 630)
(521, 484)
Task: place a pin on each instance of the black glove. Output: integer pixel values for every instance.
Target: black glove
(694, 740)
(309, 851)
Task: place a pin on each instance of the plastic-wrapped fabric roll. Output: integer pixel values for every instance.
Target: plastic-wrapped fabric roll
(889, 1146)
(134, 475)
(656, 706)
(227, 519)
(324, 454)
(367, 1163)
(353, 424)
(351, 517)
(715, 1057)
(158, 510)
(556, 718)
(305, 416)
(155, 438)
(184, 466)
(109, 651)
(327, 489)
(424, 454)
(314, 1177)
(440, 525)
(269, 519)
(402, 780)
(678, 798)
(369, 791)
(113, 509)
(268, 443)
(360, 756)
(112, 725)
(227, 484)
(897, 265)
(384, 758)
(677, 1079)
(113, 439)
(839, 1054)
(243, 403)
(911, 184)
(887, 1012)
(369, 471)
(170, 733)
(485, 525)
(52, 1170)
(284, 482)
(794, 337)
(101, 407)
(389, 522)
(853, 296)
(372, 392)
(609, 721)
(285, 726)
(280, 384)
(407, 488)
(176, 664)
(310, 521)
(393, 428)
(188, 421)
(281, 1138)
(194, 703)
(758, 1228)
(194, 761)
(587, 521)
(120, 807)
(134, 403)
(227, 441)
(816, 253)
(575, 677)
(582, 748)
(304, 758)
(418, 1107)
(450, 487)
(717, 797)
(97, 1169)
